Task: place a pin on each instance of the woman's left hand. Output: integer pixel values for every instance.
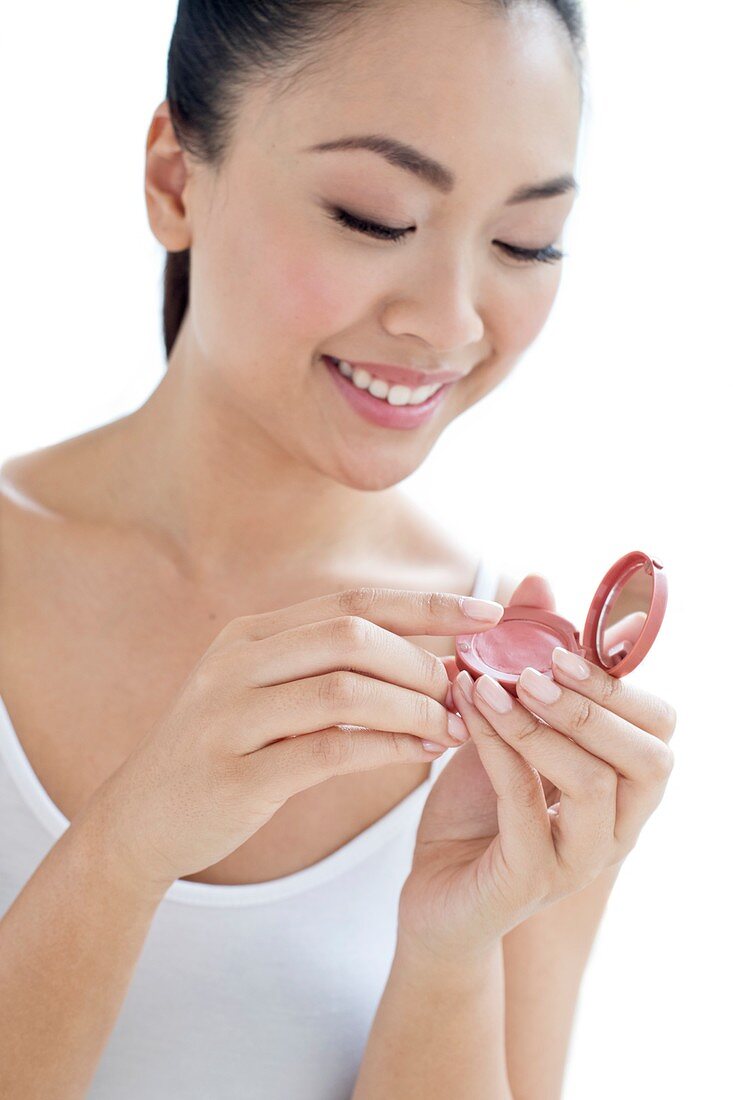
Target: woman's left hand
(490, 850)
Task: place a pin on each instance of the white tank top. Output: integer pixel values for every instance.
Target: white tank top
(262, 991)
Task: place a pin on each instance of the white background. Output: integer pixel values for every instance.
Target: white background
(611, 434)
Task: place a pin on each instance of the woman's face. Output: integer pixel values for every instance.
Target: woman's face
(277, 282)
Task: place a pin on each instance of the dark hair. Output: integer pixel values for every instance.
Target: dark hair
(220, 48)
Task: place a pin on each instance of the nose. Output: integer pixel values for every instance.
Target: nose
(442, 313)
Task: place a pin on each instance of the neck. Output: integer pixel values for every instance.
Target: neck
(216, 492)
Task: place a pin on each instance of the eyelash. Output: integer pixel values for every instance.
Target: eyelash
(547, 255)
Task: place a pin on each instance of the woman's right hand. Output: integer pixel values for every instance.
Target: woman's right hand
(258, 717)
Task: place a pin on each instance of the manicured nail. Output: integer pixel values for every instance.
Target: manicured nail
(540, 686)
(493, 694)
(485, 610)
(464, 683)
(570, 663)
(432, 746)
(457, 728)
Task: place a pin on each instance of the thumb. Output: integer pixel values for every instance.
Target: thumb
(534, 591)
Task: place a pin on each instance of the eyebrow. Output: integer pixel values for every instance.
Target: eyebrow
(432, 172)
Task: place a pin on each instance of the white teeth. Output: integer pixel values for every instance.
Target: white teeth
(394, 395)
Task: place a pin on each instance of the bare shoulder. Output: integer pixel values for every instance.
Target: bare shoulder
(439, 561)
(63, 479)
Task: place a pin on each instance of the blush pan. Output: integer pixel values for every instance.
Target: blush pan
(623, 620)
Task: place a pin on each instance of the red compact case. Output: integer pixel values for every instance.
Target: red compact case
(624, 619)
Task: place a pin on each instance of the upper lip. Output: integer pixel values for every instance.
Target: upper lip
(404, 376)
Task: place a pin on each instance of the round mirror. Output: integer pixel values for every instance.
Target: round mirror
(624, 614)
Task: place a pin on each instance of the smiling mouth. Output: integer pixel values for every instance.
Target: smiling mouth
(390, 393)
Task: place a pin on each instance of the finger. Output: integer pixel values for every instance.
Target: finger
(296, 763)
(451, 669)
(526, 835)
(642, 709)
(533, 591)
(405, 612)
(348, 698)
(642, 761)
(587, 784)
(349, 643)
(629, 750)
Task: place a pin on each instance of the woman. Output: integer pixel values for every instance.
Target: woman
(227, 867)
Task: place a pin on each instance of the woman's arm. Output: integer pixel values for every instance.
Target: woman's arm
(544, 960)
(438, 1032)
(68, 948)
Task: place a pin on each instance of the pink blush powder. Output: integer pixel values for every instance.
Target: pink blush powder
(511, 646)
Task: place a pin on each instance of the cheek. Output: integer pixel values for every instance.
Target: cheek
(267, 288)
(309, 297)
(523, 310)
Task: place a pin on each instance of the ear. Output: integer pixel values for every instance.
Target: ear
(166, 177)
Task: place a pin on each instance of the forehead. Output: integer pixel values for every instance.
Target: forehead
(472, 87)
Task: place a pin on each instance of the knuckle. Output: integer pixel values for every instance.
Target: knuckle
(236, 629)
(399, 743)
(660, 763)
(338, 692)
(428, 715)
(581, 715)
(528, 727)
(431, 670)
(527, 788)
(437, 604)
(357, 601)
(609, 690)
(600, 781)
(665, 718)
(331, 750)
(209, 672)
(349, 632)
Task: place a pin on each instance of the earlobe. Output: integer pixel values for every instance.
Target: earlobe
(166, 177)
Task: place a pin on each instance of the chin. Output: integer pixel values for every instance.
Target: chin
(373, 476)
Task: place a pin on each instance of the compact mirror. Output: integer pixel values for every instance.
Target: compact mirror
(624, 618)
(626, 613)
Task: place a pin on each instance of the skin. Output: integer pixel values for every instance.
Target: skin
(276, 282)
(218, 495)
(245, 443)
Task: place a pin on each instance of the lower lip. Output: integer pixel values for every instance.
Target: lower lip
(380, 411)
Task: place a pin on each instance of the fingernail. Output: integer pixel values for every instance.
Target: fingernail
(485, 610)
(457, 728)
(570, 664)
(540, 686)
(493, 694)
(432, 746)
(464, 683)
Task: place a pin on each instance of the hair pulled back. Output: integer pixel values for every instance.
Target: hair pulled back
(219, 49)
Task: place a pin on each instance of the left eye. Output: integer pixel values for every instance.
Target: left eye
(550, 254)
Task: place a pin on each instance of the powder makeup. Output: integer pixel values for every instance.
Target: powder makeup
(624, 618)
(518, 642)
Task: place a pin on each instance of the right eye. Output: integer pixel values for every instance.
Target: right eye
(371, 229)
